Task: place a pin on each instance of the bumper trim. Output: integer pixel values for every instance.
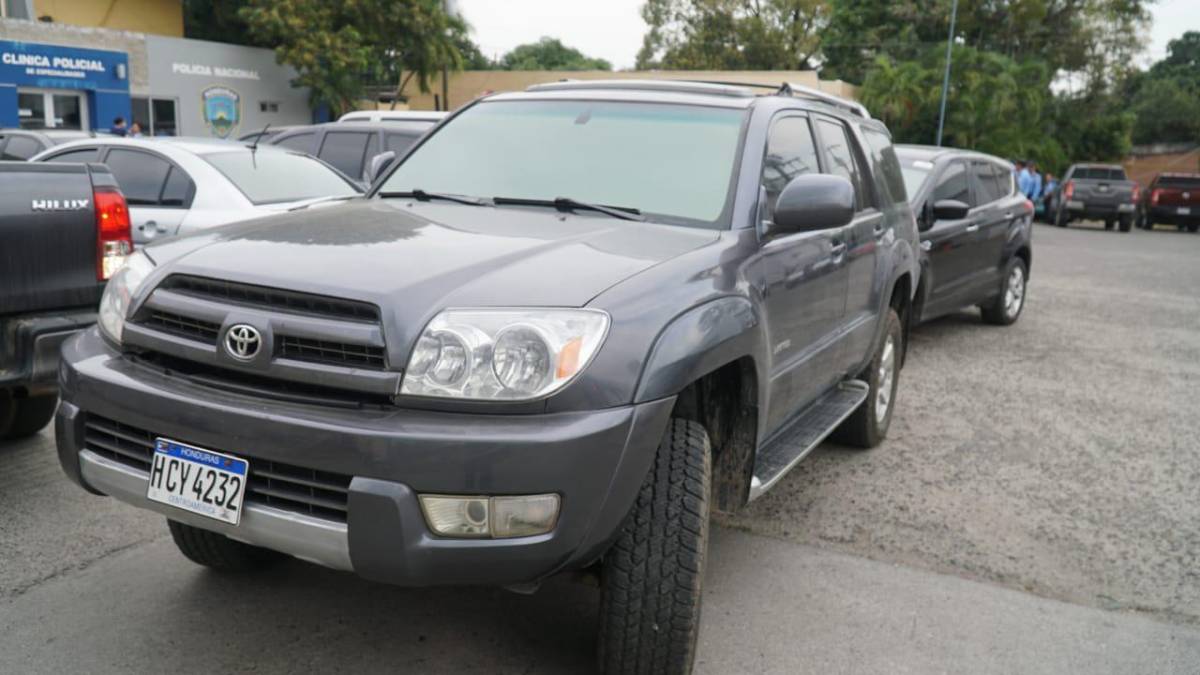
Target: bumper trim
(312, 539)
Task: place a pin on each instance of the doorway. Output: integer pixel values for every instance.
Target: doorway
(52, 109)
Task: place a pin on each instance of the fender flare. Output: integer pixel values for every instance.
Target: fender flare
(697, 342)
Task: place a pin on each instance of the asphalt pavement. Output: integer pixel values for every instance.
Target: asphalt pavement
(1034, 510)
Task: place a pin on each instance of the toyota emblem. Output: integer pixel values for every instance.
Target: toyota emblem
(242, 342)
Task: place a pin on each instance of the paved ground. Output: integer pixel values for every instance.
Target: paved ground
(1053, 460)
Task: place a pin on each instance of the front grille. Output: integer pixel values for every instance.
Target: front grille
(284, 486)
(184, 326)
(273, 299)
(337, 353)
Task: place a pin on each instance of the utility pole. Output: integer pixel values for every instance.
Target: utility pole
(449, 7)
(946, 76)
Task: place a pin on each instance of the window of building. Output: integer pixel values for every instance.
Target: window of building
(156, 116)
(268, 106)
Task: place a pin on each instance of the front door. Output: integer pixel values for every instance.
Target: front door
(949, 242)
(805, 282)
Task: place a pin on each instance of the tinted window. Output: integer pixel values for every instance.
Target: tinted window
(790, 153)
(299, 142)
(178, 188)
(1003, 179)
(1099, 173)
(673, 162)
(21, 148)
(257, 176)
(372, 150)
(953, 184)
(345, 150)
(840, 154)
(984, 183)
(1178, 182)
(399, 143)
(139, 174)
(80, 155)
(889, 177)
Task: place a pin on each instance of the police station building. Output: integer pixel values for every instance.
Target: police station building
(62, 76)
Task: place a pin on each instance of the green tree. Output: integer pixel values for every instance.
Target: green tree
(219, 21)
(339, 47)
(550, 54)
(732, 34)
(1166, 98)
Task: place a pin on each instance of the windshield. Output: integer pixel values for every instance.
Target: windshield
(273, 177)
(915, 172)
(673, 163)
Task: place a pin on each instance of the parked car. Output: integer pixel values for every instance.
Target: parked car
(431, 116)
(21, 144)
(351, 146)
(63, 231)
(562, 330)
(1096, 192)
(976, 232)
(264, 134)
(1171, 199)
(179, 185)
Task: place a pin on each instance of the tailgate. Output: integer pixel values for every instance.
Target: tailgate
(1102, 192)
(47, 237)
(1178, 191)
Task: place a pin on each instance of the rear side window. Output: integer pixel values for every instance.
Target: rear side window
(1003, 179)
(21, 148)
(399, 143)
(140, 175)
(345, 151)
(888, 175)
(790, 152)
(953, 184)
(178, 189)
(840, 154)
(80, 155)
(299, 142)
(984, 183)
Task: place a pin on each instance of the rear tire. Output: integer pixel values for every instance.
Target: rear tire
(867, 426)
(1006, 308)
(1060, 218)
(650, 603)
(1126, 223)
(26, 416)
(218, 551)
(1193, 227)
(1108, 224)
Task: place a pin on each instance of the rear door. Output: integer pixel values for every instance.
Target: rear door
(47, 238)
(997, 218)
(948, 242)
(158, 192)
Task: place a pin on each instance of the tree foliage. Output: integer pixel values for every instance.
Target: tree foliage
(339, 47)
(732, 34)
(1166, 98)
(549, 54)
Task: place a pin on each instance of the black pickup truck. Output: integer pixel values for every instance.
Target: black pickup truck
(64, 229)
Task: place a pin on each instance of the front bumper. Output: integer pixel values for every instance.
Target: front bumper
(594, 460)
(31, 344)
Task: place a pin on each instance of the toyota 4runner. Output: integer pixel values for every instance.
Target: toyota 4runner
(556, 335)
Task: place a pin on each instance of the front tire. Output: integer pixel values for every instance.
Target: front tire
(867, 426)
(1060, 218)
(1006, 308)
(25, 416)
(218, 551)
(650, 604)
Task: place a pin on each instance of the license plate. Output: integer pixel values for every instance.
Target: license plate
(201, 481)
(1073, 204)
(1185, 210)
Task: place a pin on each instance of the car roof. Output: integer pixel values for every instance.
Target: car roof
(395, 115)
(193, 145)
(932, 153)
(1178, 174)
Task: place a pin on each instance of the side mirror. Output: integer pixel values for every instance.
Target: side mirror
(379, 164)
(949, 209)
(813, 202)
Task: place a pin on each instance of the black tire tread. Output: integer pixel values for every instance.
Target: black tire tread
(650, 608)
(28, 415)
(860, 430)
(993, 312)
(218, 551)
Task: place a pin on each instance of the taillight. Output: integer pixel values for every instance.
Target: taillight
(1137, 192)
(1154, 195)
(114, 238)
(1069, 189)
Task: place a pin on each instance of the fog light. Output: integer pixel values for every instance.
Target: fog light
(523, 516)
(499, 517)
(456, 516)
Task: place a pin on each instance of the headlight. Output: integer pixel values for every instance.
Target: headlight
(119, 293)
(502, 354)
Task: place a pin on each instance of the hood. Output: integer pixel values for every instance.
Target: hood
(416, 258)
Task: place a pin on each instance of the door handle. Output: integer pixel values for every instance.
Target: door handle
(973, 227)
(837, 250)
(1008, 215)
(880, 230)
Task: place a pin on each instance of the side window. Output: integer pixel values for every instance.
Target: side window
(79, 155)
(790, 153)
(140, 175)
(345, 150)
(983, 184)
(888, 176)
(953, 184)
(299, 142)
(178, 189)
(1004, 181)
(399, 143)
(840, 153)
(21, 148)
(372, 150)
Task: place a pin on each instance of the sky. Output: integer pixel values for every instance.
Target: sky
(613, 29)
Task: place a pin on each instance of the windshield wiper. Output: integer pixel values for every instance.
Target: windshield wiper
(568, 204)
(421, 195)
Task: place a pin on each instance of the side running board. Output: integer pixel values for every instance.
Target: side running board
(804, 434)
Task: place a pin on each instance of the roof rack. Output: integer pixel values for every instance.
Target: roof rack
(799, 90)
(681, 86)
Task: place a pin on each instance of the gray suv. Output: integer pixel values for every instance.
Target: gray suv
(565, 328)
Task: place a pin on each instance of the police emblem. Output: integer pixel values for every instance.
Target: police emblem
(222, 109)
